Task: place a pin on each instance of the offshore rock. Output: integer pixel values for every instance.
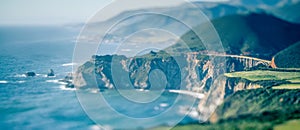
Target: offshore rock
(30, 74)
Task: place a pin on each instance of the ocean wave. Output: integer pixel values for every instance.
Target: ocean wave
(56, 81)
(189, 111)
(163, 104)
(52, 81)
(22, 81)
(41, 75)
(63, 87)
(69, 64)
(97, 127)
(20, 76)
(94, 91)
(36, 75)
(12, 82)
(190, 93)
(3, 82)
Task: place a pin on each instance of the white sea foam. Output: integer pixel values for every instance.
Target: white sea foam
(13, 82)
(191, 112)
(190, 93)
(184, 110)
(3, 82)
(142, 90)
(68, 64)
(94, 91)
(20, 76)
(163, 105)
(52, 81)
(194, 114)
(97, 127)
(56, 81)
(63, 87)
(22, 81)
(41, 75)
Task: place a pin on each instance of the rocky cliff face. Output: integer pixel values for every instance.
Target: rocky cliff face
(193, 72)
(221, 88)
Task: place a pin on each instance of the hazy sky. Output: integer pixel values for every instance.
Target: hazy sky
(48, 11)
(52, 11)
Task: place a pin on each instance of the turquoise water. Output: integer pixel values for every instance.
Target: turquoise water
(42, 102)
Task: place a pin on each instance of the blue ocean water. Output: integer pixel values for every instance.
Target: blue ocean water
(37, 102)
(42, 102)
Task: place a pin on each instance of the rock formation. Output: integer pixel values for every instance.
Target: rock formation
(189, 71)
(50, 73)
(30, 74)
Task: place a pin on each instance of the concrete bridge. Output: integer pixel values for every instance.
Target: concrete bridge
(256, 61)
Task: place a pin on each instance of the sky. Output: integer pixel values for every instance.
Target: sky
(35, 12)
(48, 11)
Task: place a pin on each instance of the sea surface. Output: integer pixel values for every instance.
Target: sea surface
(43, 102)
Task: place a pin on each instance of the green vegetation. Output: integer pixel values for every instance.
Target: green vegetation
(264, 105)
(231, 125)
(274, 79)
(289, 57)
(259, 75)
(236, 125)
(289, 125)
(287, 86)
(266, 108)
(259, 109)
(253, 35)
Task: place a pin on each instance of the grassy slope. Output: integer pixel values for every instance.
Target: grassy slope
(255, 109)
(265, 75)
(286, 80)
(265, 108)
(289, 125)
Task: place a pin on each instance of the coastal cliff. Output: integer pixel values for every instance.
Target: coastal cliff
(221, 88)
(194, 72)
(226, 81)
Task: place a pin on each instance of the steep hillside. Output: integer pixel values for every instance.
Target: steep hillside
(250, 100)
(261, 105)
(257, 109)
(288, 58)
(257, 35)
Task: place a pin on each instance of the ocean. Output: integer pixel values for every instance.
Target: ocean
(43, 102)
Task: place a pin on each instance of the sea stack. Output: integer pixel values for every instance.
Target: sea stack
(51, 73)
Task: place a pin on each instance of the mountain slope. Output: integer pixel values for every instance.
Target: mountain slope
(288, 58)
(258, 35)
(288, 13)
